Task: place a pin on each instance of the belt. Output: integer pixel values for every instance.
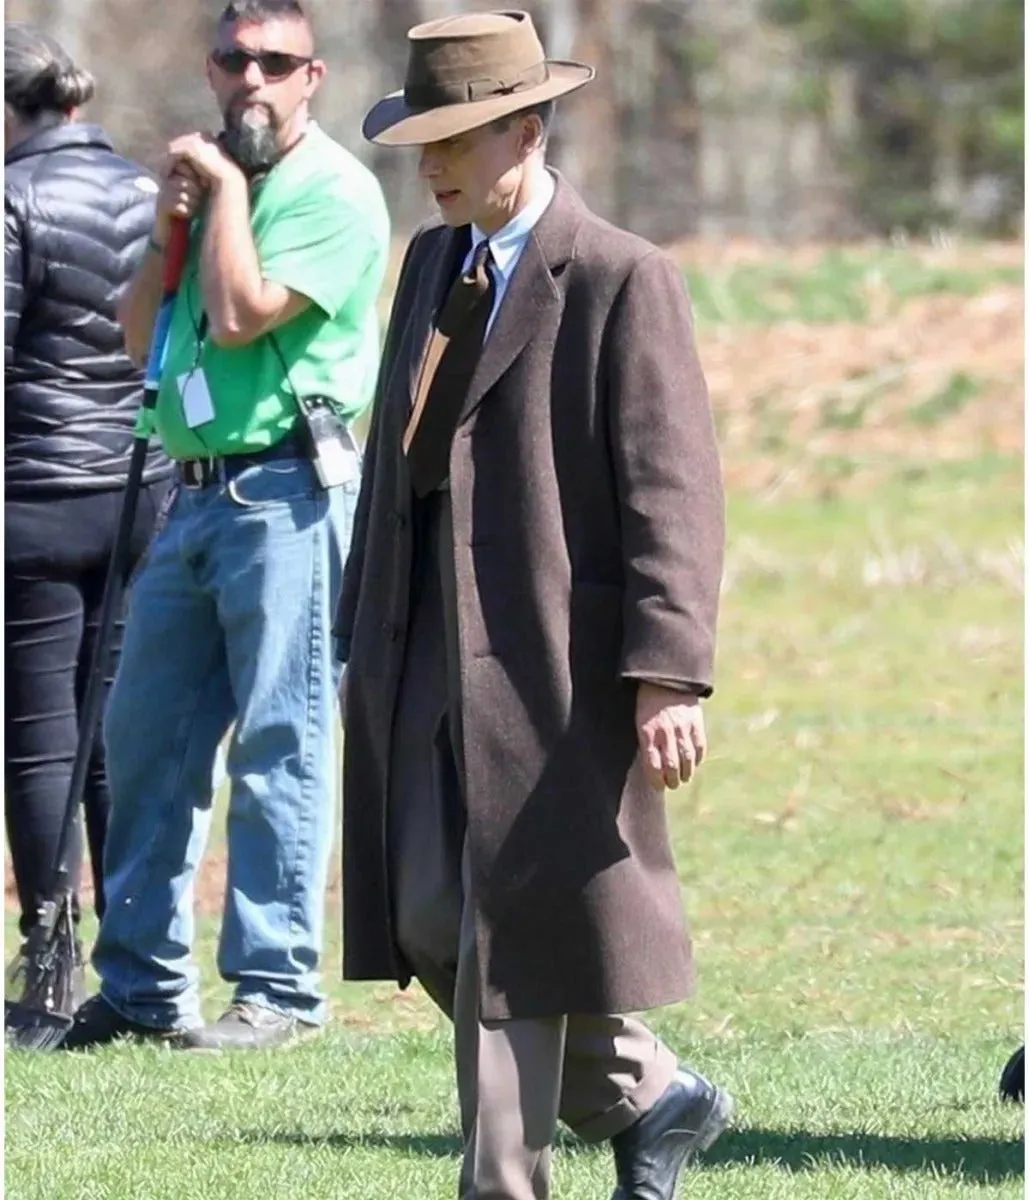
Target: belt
(202, 472)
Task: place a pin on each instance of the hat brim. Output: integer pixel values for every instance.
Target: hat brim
(393, 122)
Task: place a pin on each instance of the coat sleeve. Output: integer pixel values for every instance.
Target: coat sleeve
(14, 282)
(668, 480)
(346, 608)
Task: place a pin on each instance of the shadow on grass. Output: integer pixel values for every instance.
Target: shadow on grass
(970, 1160)
(423, 1145)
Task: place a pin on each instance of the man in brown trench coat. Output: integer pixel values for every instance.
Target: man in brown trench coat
(528, 617)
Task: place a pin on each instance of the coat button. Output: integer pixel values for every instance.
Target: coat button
(390, 630)
(400, 520)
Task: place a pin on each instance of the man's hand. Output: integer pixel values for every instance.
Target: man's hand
(205, 158)
(670, 731)
(181, 195)
(194, 164)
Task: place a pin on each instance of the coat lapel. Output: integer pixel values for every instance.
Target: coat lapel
(434, 282)
(532, 298)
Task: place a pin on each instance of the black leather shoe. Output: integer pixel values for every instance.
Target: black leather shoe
(649, 1155)
(1012, 1081)
(98, 1024)
(245, 1026)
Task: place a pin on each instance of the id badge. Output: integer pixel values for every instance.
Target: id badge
(197, 405)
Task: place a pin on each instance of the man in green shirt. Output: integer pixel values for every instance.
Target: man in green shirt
(274, 333)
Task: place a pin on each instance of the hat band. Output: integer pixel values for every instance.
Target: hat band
(437, 94)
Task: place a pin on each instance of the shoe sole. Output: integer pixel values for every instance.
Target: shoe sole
(128, 1037)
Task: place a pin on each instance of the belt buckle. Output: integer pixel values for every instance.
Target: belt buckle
(193, 473)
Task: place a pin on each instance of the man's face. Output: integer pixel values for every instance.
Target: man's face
(473, 176)
(261, 100)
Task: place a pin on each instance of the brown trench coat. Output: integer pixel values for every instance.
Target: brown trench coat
(588, 540)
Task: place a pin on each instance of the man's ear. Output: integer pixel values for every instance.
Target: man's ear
(531, 138)
(315, 74)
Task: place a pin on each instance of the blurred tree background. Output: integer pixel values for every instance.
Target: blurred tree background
(784, 119)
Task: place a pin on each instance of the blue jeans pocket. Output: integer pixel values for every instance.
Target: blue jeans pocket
(280, 482)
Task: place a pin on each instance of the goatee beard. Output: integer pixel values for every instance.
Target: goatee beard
(251, 139)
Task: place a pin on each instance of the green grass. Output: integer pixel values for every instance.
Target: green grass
(851, 858)
(959, 390)
(834, 1116)
(841, 285)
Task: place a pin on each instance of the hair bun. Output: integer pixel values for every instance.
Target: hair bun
(39, 74)
(72, 87)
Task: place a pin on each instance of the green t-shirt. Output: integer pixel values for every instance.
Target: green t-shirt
(321, 228)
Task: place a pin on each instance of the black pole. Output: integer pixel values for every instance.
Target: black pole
(93, 703)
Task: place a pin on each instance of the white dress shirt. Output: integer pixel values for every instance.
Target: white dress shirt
(507, 244)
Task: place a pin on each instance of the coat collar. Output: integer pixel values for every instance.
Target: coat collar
(506, 244)
(531, 294)
(59, 137)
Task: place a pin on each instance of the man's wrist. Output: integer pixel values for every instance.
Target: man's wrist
(674, 685)
(228, 180)
(159, 232)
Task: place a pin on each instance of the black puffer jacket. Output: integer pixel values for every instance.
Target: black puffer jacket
(76, 219)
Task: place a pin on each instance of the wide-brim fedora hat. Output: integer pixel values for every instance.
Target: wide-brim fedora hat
(466, 71)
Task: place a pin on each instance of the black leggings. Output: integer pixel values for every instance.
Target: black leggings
(56, 555)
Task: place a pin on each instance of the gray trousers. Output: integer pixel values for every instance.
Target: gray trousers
(516, 1078)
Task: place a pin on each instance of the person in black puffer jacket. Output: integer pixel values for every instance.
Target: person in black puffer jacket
(76, 221)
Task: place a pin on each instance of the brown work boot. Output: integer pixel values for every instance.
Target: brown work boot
(248, 1026)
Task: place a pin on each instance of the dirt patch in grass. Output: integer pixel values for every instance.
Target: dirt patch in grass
(941, 380)
(933, 371)
(210, 884)
(717, 254)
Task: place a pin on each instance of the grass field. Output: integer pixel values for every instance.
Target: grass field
(851, 855)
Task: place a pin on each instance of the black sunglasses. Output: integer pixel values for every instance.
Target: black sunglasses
(274, 64)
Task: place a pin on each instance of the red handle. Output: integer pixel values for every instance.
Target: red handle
(175, 254)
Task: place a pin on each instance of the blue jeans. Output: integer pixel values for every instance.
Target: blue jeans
(228, 620)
